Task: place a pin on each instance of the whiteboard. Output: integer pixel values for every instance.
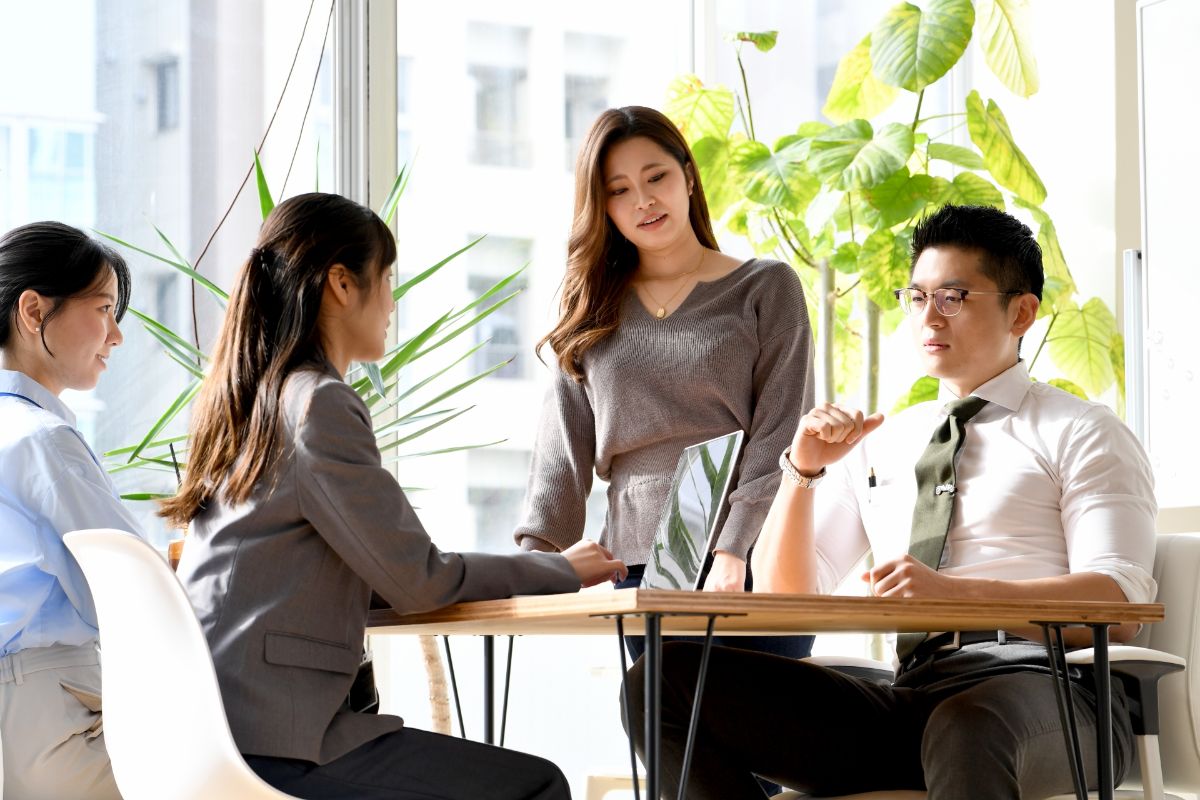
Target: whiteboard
(1169, 66)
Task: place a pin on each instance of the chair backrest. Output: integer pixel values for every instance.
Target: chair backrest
(164, 723)
(1177, 570)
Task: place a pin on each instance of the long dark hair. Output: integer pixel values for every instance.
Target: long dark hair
(600, 261)
(269, 330)
(58, 262)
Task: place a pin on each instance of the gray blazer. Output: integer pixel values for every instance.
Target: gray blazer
(282, 583)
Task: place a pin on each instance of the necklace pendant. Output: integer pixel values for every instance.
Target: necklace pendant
(662, 312)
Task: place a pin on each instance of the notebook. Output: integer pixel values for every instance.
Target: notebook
(687, 530)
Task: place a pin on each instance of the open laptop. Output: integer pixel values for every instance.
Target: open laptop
(687, 530)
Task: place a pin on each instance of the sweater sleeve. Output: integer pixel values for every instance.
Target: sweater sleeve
(560, 478)
(783, 392)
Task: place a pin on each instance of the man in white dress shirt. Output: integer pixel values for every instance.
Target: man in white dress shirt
(1052, 500)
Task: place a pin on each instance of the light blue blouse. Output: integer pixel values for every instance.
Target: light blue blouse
(51, 483)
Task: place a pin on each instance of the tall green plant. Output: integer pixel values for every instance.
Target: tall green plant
(840, 200)
(403, 410)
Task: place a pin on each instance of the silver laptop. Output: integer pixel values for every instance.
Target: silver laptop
(687, 531)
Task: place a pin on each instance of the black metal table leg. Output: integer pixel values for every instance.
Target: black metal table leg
(694, 723)
(489, 689)
(1066, 708)
(462, 728)
(1104, 751)
(653, 703)
(507, 684)
(625, 705)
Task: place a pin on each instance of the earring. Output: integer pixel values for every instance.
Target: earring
(38, 329)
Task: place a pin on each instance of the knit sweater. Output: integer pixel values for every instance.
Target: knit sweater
(736, 354)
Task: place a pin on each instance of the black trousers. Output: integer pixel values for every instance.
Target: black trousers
(980, 723)
(412, 764)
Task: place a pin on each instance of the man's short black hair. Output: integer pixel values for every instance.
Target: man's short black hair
(1012, 258)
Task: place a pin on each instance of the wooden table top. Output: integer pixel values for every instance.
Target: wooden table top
(593, 612)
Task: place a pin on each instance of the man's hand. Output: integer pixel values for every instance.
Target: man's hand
(826, 434)
(728, 573)
(907, 577)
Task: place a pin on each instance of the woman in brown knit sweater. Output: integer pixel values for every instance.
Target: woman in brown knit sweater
(662, 342)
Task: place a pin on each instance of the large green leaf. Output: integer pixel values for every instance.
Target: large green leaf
(1008, 165)
(900, 197)
(845, 258)
(884, 264)
(764, 40)
(1081, 341)
(923, 390)
(1116, 351)
(712, 157)
(1005, 35)
(854, 156)
(856, 93)
(961, 156)
(911, 48)
(967, 189)
(698, 110)
(774, 179)
(1069, 387)
(1060, 285)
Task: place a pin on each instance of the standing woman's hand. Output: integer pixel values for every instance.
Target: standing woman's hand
(728, 573)
(594, 564)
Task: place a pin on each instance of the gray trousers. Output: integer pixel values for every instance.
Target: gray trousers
(412, 764)
(980, 723)
(50, 725)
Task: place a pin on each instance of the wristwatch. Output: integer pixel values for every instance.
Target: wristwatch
(803, 481)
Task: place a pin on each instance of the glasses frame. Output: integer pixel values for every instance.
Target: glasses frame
(939, 296)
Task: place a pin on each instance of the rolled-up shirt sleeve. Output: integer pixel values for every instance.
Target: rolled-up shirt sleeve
(839, 534)
(1108, 505)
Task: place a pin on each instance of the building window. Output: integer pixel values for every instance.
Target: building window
(166, 94)
(404, 110)
(499, 74)
(496, 494)
(587, 84)
(61, 182)
(504, 330)
(6, 212)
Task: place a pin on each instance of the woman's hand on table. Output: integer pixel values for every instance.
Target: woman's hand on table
(728, 573)
(594, 564)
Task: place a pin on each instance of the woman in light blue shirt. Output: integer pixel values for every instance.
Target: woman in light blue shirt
(61, 297)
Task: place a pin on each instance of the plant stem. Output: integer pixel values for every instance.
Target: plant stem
(799, 249)
(1046, 338)
(850, 212)
(748, 118)
(871, 360)
(917, 115)
(943, 116)
(827, 316)
(849, 288)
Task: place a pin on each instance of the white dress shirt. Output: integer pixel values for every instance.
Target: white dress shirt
(51, 483)
(1047, 484)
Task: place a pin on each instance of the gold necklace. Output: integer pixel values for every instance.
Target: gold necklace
(662, 307)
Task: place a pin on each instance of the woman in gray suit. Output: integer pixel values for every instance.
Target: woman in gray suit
(295, 522)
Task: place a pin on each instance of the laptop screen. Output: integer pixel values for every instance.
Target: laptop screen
(687, 529)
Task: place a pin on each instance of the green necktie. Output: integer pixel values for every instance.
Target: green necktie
(935, 496)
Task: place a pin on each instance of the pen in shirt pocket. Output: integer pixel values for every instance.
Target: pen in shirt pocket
(871, 482)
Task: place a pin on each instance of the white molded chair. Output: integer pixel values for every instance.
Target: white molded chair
(164, 723)
(1172, 708)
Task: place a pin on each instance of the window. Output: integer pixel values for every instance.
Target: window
(166, 84)
(61, 178)
(503, 331)
(589, 62)
(500, 78)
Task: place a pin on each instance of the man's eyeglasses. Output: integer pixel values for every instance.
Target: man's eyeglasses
(947, 301)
